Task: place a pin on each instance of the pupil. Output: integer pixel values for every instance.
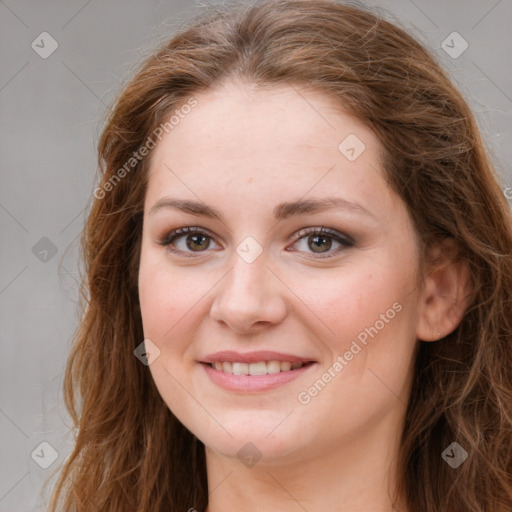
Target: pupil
(195, 244)
(316, 238)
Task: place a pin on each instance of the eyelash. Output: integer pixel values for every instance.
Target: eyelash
(342, 239)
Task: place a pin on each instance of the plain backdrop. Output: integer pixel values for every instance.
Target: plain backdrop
(52, 107)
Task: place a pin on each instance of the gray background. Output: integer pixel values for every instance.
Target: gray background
(51, 113)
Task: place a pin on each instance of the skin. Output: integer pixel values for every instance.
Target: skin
(242, 151)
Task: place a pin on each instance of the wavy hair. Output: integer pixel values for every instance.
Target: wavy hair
(130, 452)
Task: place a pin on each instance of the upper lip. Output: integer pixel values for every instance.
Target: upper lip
(253, 357)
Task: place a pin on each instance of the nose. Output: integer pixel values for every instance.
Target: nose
(250, 297)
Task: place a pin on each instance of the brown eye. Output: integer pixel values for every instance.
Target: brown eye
(320, 241)
(196, 240)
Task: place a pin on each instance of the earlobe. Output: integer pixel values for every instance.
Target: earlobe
(445, 295)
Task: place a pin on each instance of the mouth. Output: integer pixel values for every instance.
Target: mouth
(257, 368)
(254, 372)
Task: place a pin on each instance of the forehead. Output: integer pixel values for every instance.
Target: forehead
(265, 145)
(236, 117)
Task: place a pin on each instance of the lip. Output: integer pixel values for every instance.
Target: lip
(253, 357)
(254, 383)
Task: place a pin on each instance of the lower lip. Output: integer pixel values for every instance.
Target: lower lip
(248, 383)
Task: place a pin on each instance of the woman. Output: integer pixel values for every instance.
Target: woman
(223, 360)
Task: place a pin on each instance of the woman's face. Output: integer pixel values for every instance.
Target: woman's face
(254, 287)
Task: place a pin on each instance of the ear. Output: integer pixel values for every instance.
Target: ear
(446, 291)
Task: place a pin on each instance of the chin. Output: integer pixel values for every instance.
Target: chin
(253, 443)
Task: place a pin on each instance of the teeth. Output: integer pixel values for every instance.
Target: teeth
(286, 366)
(259, 368)
(273, 367)
(240, 369)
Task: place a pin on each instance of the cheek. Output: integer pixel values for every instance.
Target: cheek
(171, 299)
(368, 317)
(354, 299)
(168, 300)
(163, 304)
(157, 296)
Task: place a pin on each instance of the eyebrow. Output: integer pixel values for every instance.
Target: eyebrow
(281, 211)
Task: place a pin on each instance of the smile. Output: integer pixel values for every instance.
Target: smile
(254, 377)
(258, 368)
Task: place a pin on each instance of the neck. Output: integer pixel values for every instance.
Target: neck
(358, 476)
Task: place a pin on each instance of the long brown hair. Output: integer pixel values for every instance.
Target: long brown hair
(130, 452)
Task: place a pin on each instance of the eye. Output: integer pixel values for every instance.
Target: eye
(196, 240)
(319, 240)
